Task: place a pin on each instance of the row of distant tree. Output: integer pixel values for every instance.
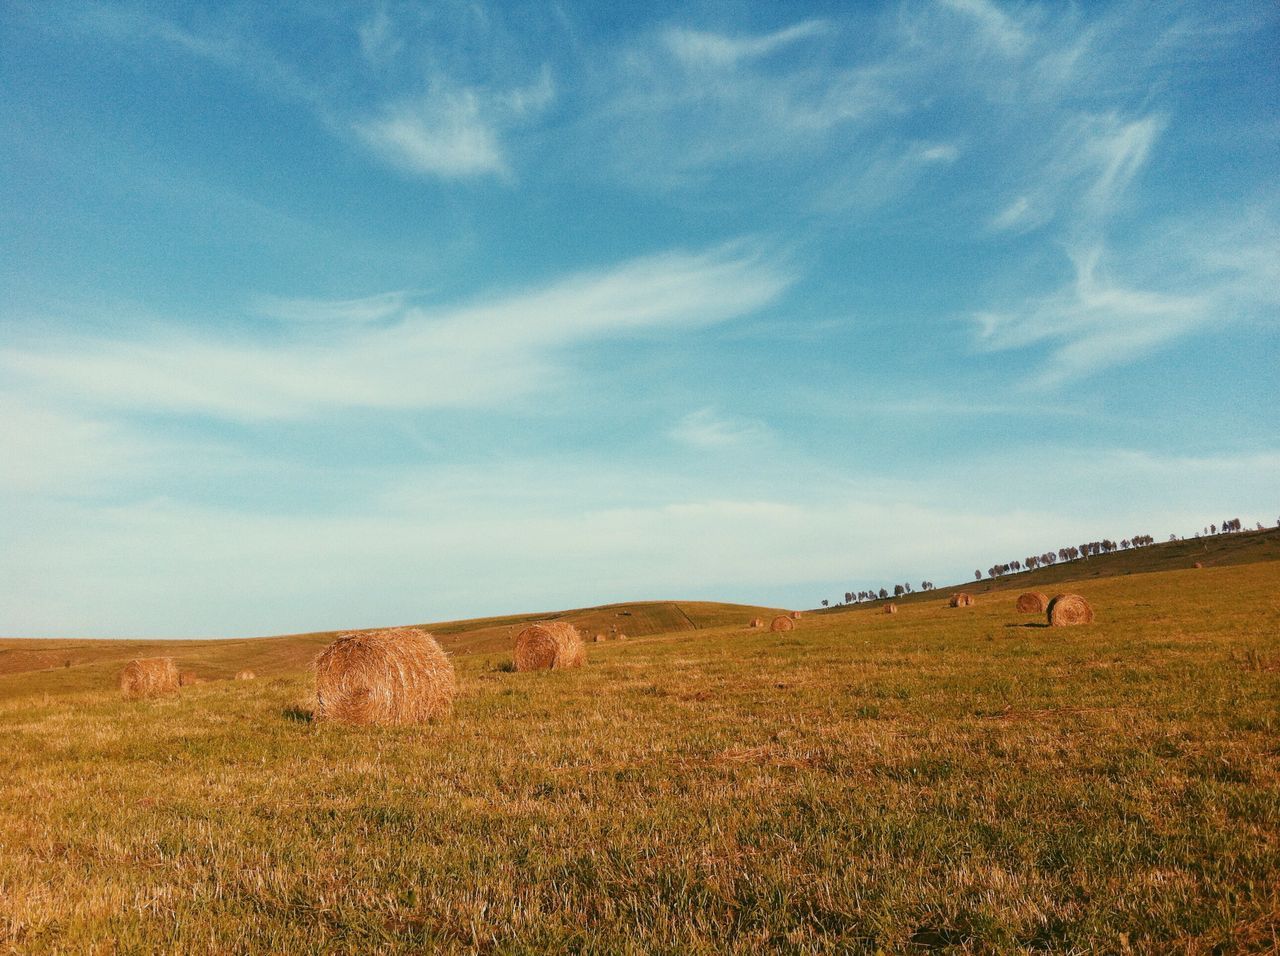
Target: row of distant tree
(1105, 546)
(1031, 562)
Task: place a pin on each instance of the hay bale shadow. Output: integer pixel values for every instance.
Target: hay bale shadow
(1029, 624)
(299, 715)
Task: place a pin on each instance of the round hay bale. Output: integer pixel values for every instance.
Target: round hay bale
(187, 678)
(891, 609)
(1199, 565)
(622, 637)
(1033, 602)
(757, 622)
(599, 638)
(552, 645)
(245, 675)
(795, 615)
(782, 623)
(396, 676)
(961, 599)
(1068, 609)
(149, 677)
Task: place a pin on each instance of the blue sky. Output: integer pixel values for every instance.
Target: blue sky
(320, 315)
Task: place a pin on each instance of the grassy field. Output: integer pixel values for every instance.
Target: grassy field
(947, 779)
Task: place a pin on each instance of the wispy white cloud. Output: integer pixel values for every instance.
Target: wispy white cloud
(1119, 307)
(478, 355)
(452, 131)
(361, 311)
(379, 41)
(706, 429)
(996, 25)
(703, 48)
(53, 452)
(1094, 323)
(1019, 214)
(444, 134)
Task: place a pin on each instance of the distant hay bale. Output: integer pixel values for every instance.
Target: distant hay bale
(891, 609)
(961, 599)
(782, 623)
(795, 615)
(149, 677)
(622, 637)
(598, 638)
(1199, 565)
(1068, 609)
(391, 677)
(245, 675)
(1033, 602)
(551, 645)
(757, 622)
(187, 678)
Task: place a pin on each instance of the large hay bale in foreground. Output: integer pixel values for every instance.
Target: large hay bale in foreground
(1033, 602)
(396, 676)
(961, 599)
(149, 677)
(246, 675)
(782, 623)
(757, 622)
(1068, 609)
(187, 678)
(551, 645)
(891, 609)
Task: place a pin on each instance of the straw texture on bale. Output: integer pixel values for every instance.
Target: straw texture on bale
(961, 599)
(1033, 602)
(149, 677)
(396, 676)
(552, 645)
(891, 609)
(245, 675)
(757, 622)
(782, 623)
(1068, 609)
(187, 678)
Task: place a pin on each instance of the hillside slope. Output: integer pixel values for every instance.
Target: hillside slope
(60, 666)
(1223, 550)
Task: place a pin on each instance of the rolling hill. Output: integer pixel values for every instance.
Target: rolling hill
(56, 666)
(1223, 550)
